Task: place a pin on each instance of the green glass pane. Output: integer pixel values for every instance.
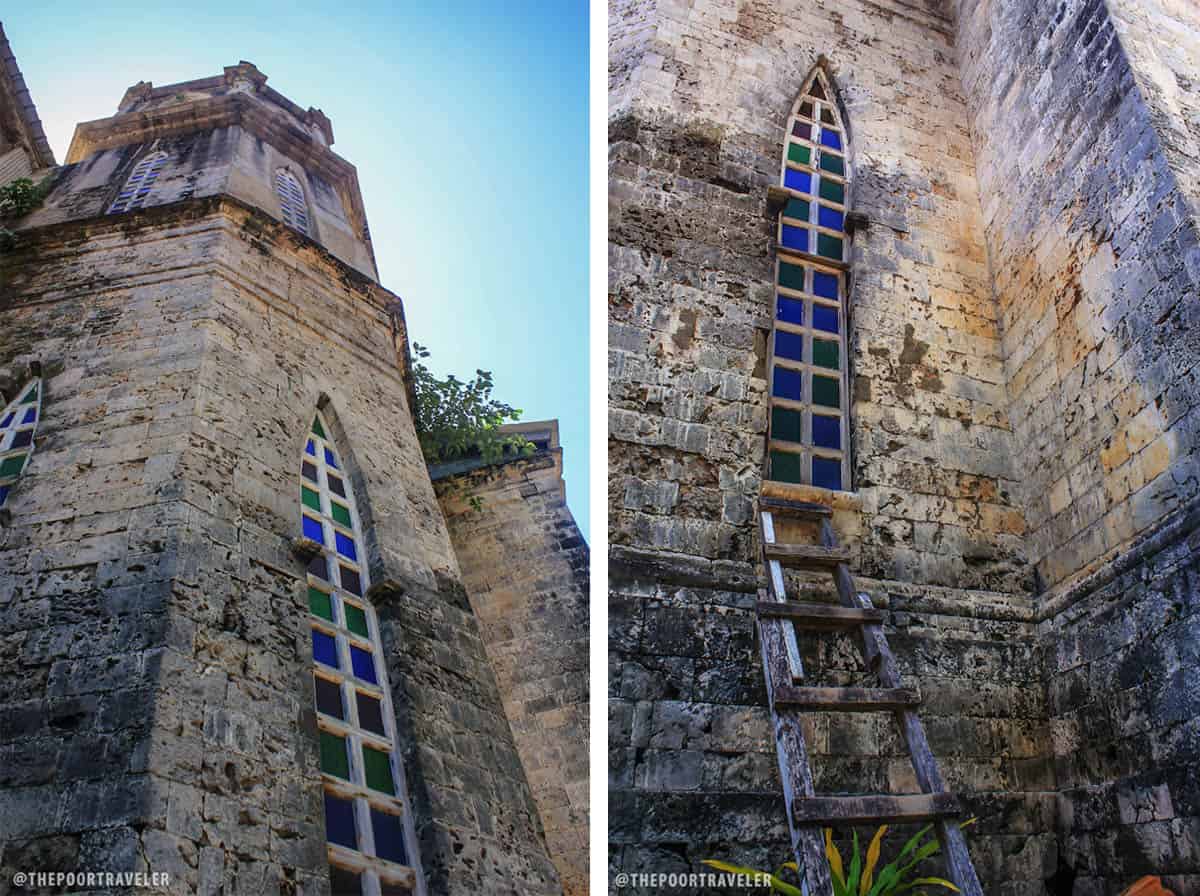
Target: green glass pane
(310, 498)
(320, 603)
(334, 760)
(796, 208)
(801, 155)
(826, 392)
(11, 466)
(791, 275)
(786, 425)
(833, 164)
(341, 514)
(356, 619)
(785, 466)
(825, 354)
(829, 246)
(31, 395)
(378, 770)
(317, 428)
(833, 191)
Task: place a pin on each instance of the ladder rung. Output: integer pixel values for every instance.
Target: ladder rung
(847, 699)
(855, 809)
(784, 507)
(820, 617)
(806, 556)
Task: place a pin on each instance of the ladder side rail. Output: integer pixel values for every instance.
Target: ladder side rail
(779, 594)
(808, 844)
(845, 589)
(879, 657)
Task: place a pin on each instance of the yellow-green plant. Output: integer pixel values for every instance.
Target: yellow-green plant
(863, 876)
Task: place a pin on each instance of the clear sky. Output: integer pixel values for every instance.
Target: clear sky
(467, 121)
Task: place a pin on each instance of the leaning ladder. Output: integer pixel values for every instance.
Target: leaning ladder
(778, 620)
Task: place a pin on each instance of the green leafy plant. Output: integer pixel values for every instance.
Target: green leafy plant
(19, 197)
(863, 876)
(457, 418)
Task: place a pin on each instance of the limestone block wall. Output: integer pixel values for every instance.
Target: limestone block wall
(226, 158)
(1092, 237)
(157, 634)
(1094, 249)
(696, 130)
(525, 566)
(700, 94)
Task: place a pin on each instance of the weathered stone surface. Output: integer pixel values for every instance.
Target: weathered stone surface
(157, 709)
(525, 566)
(1022, 354)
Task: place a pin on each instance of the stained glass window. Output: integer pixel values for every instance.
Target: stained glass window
(291, 200)
(808, 429)
(368, 827)
(17, 427)
(141, 181)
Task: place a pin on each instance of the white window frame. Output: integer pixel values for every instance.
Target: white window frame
(812, 262)
(363, 861)
(18, 408)
(293, 201)
(139, 184)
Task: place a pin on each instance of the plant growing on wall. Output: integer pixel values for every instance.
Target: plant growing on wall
(19, 197)
(457, 418)
(862, 876)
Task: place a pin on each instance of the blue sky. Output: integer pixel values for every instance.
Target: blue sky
(467, 122)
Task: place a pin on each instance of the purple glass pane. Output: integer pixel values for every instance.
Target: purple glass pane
(789, 345)
(827, 431)
(324, 648)
(789, 310)
(825, 318)
(788, 384)
(363, 664)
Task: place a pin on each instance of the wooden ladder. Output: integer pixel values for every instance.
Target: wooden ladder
(778, 619)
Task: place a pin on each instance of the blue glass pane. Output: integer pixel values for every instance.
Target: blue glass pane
(794, 237)
(832, 139)
(8, 418)
(314, 530)
(345, 546)
(827, 432)
(324, 648)
(827, 217)
(389, 837)
(339, 822)
(30, 415)
(789, 345)
(788, 384)
(3, 493)
(310, 448)
(801, 181)
(363, 664)
(330, 459)
(825, 318)
(790, 310)
(825, 285)
(827, 473)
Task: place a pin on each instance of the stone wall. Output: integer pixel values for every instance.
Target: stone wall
(1094, 250)
(700, 97)
(525, 566)
(1084, 151)
(158, 706)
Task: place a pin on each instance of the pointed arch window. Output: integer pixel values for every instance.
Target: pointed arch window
(809, 386)
(369, 828)
(141, 181)
(17, 427)
(291, 200)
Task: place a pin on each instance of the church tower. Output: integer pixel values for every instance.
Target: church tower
(236, 642)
